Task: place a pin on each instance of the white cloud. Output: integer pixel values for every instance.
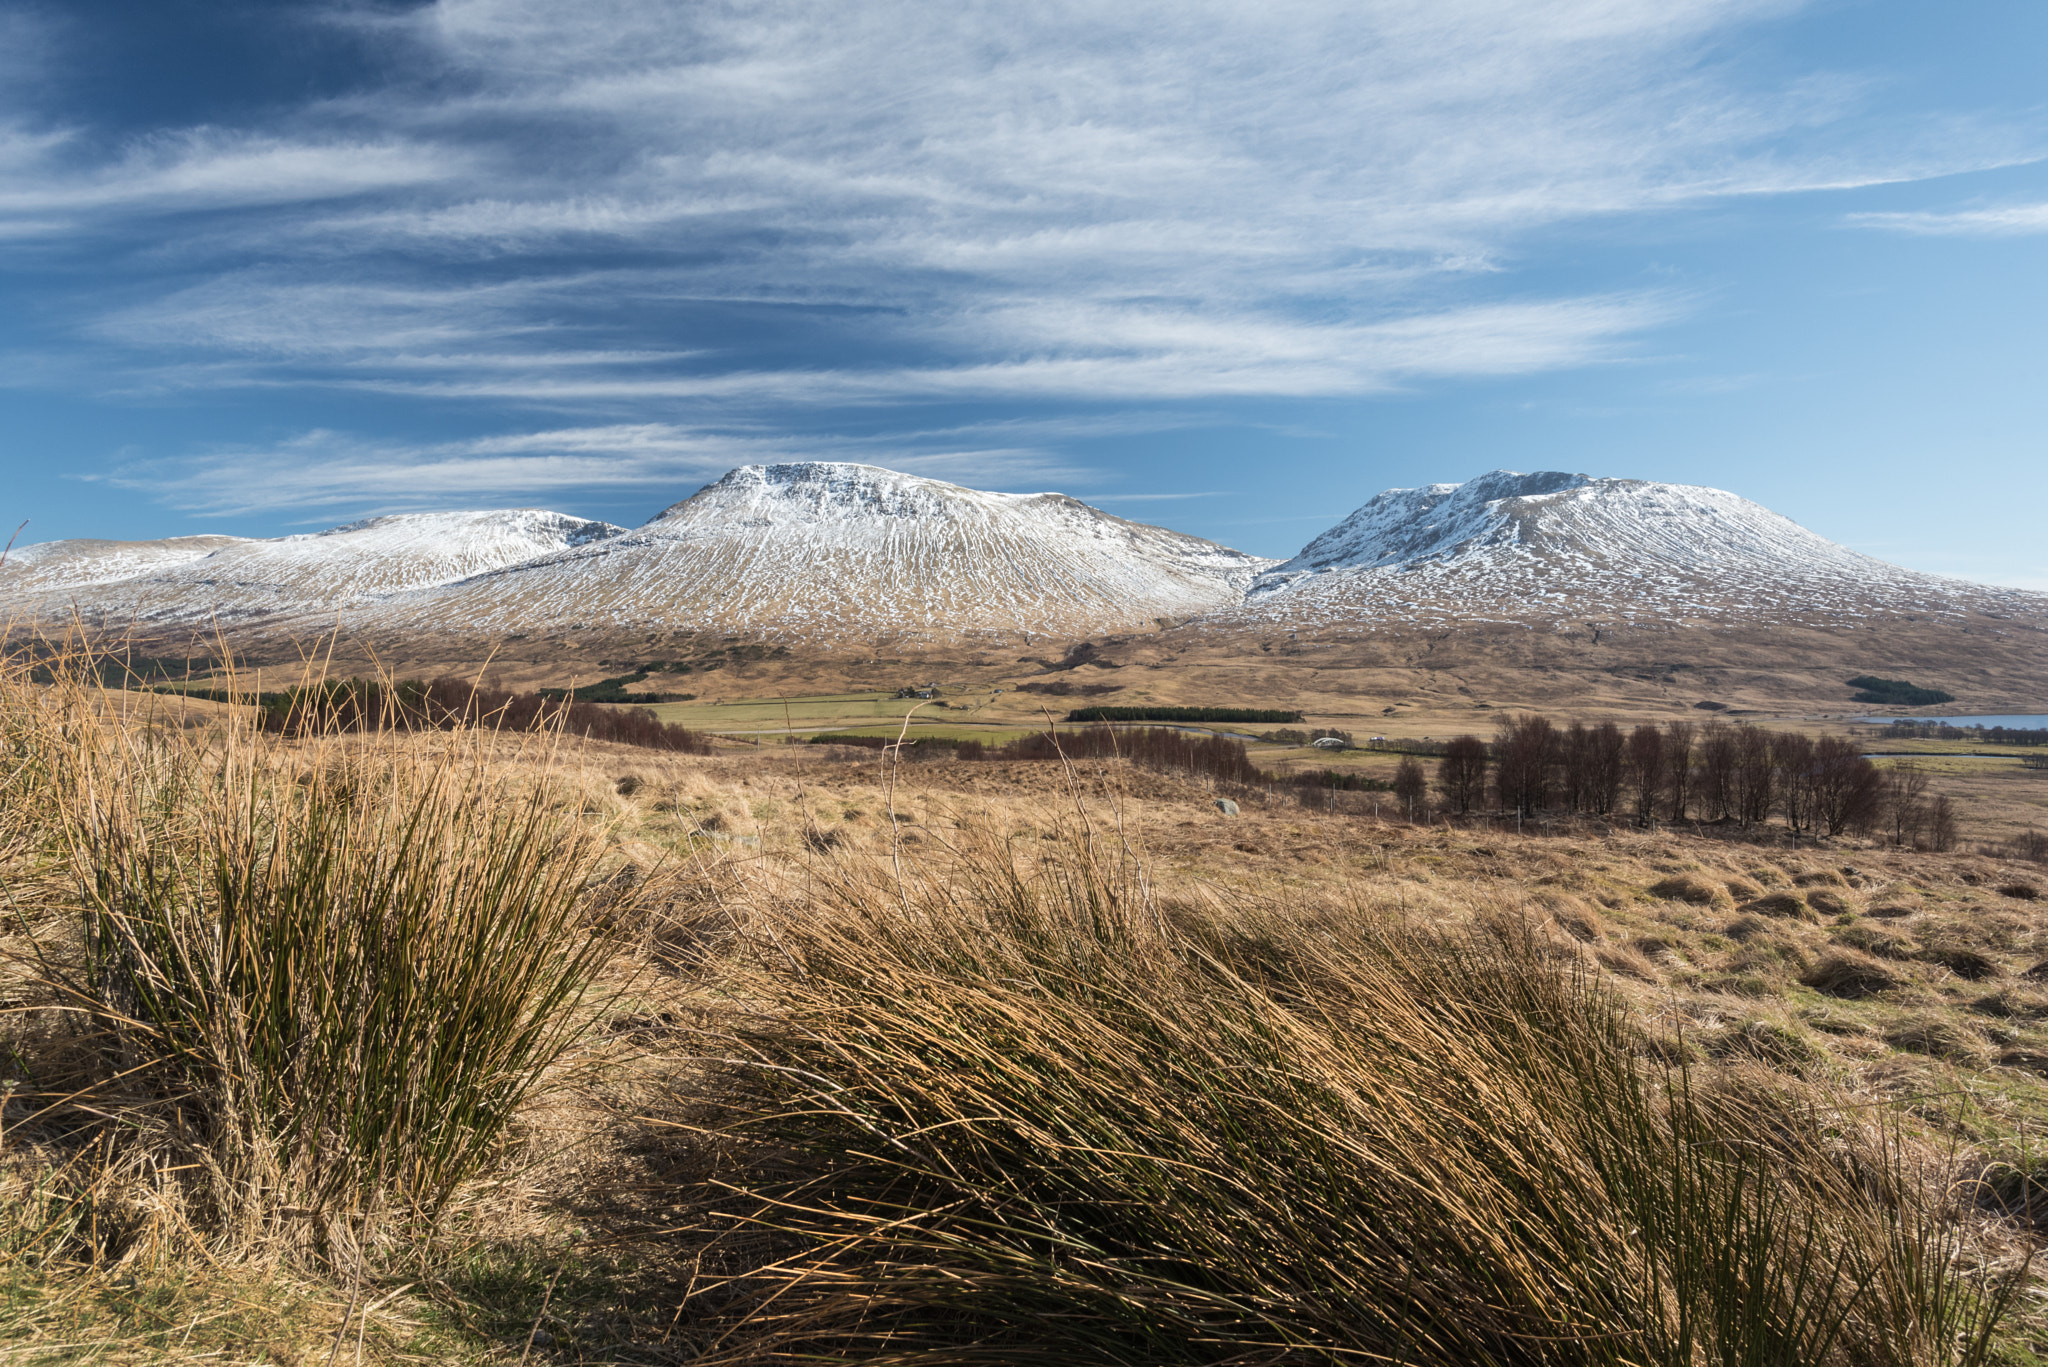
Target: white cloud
(198, 169)
(1058, 201)
(323, 469)
(1157, 498)
(2010, 221)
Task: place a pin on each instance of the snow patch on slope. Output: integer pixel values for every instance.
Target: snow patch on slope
(53, 565)
(375, 558)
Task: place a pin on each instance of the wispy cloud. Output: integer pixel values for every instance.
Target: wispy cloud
(198, 169)
(431, 343)
(2012, 220)
(669, 219)
(329, 470)
(1156, 498)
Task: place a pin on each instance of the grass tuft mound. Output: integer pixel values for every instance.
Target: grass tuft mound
(1850, 975)
(1783, 905)
(1044, 1120)
(1686, 887)
(325, 985)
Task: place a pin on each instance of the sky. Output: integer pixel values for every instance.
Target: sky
(1233, 269)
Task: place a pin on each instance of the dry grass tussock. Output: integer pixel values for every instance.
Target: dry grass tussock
(465, 1047)
(1051, 1117)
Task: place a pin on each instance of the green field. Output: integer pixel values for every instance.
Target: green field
(1953, 763)
(1885, 745)
(979, 715)
(968, 715)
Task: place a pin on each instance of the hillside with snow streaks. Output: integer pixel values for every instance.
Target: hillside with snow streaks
(826, 550)
(243, 580)
(1557, 547)
(55, 565)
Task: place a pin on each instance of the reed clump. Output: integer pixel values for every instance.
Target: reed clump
(1042, 1117)
(318, 980)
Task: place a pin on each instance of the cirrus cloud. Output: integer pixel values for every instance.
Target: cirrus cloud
(666, 218)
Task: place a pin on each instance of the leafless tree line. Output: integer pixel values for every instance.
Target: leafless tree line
(1685, 771)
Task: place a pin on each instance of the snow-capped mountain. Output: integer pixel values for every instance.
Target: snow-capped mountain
(1553, 546)
(54, 565)
(819, 554)
(824, 550)
(231, 579)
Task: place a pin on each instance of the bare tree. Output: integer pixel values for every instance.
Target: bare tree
(1522, 762)
(1848, 790)
(1606, 763)
(1941, 824)
(1905, 803)
(1410, 785)
(1792, 758)
(1462, 773)
(1678, 774)
(1755, 776)
(1717, 770)
(1646, 771)
(1574, 768)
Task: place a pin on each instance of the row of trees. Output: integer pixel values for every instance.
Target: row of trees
(1905, 729)
(1710, 771)
(1683, 771)
(450, 704)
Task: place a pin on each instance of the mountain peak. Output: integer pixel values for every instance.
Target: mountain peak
(832, 491)
(1407, 524)
(830, 549)
(1553, 546)
(536, 524)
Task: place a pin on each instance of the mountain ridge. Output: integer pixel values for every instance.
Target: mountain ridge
(839, 549)
(1555, 546)
(241, 579)
(832, 553)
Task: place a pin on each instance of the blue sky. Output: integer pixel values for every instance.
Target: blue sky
(1231, 268)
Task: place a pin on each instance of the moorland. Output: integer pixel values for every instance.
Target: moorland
(468, 1042)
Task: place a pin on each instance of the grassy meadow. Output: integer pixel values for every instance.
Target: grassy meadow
(464, 1047)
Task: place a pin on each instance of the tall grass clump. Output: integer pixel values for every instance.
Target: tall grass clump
(1042, 1120)
(325, 974)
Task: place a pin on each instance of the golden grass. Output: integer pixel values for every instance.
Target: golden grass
(1151, 1083)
